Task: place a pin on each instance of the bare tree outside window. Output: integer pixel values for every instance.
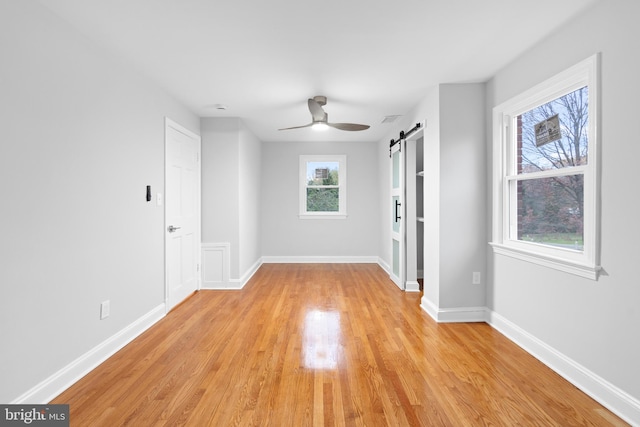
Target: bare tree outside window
(551, 208)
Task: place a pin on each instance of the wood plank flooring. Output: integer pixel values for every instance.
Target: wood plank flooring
(323, 345)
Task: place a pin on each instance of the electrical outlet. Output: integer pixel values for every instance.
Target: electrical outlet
(476, 278)
(105, 307)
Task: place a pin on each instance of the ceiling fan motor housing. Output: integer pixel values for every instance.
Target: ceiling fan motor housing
(322, 100)
(320, 117)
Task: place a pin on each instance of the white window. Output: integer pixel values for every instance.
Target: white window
(545, 181)
(323, 187)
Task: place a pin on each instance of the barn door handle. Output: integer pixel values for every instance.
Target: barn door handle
(172, 229)
(398, 204)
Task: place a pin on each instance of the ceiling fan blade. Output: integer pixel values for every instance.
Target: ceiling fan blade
(316, 110)
(348, 126)
(298, 127)
(319, 116)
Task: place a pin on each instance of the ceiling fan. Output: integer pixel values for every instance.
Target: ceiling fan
(320, 118)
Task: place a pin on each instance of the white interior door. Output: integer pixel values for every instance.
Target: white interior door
(182, 213)
(398, 234)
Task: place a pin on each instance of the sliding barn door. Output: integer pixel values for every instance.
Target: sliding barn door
(398, 234)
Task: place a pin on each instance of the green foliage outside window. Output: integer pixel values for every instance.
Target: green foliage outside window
(323, 200)
(323, 186)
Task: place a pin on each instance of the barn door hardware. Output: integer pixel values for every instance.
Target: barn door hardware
(402, 136)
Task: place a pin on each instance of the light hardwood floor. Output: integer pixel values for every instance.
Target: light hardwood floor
(323, 345)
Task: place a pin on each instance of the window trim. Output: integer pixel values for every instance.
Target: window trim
(584, 263)
(342, 186)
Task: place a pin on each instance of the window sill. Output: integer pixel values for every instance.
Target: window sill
(322, 216)
(587, 271)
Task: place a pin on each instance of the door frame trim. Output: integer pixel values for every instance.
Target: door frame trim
(168, 123)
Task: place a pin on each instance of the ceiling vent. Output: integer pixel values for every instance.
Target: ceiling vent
(389, 119)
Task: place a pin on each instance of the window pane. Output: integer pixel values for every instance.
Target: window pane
(396, 169)
(551, 211)
(323, 200)
(322, 173)
(396, 258)
(554, 135)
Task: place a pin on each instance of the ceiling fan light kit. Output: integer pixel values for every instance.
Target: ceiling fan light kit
(320, 119)
(319, 127)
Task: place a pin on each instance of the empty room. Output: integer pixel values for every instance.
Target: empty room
(345, 213)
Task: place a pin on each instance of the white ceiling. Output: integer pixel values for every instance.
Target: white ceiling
(263, 59)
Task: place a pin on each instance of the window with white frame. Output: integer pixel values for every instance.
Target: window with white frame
(323, 186)
(546, 173)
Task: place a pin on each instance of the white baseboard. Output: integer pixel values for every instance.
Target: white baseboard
(429, 307)
(412, 286)
(386, 267)
(252, 270)
(233, 284)
(228, 285)
(608, 395)
(51, 387)
(238, 284)
(454, 315)
(320, 259)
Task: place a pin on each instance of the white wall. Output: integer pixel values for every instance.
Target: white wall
(231, 173)
(285, 235)
(454, 194)
(83, 135)
(594, 323)
(250, 188)
(429, 110)
(221, 185)
(463, 195)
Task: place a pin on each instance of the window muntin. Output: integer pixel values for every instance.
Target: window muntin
(323, 186)
(545, 188)
(551, 138)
